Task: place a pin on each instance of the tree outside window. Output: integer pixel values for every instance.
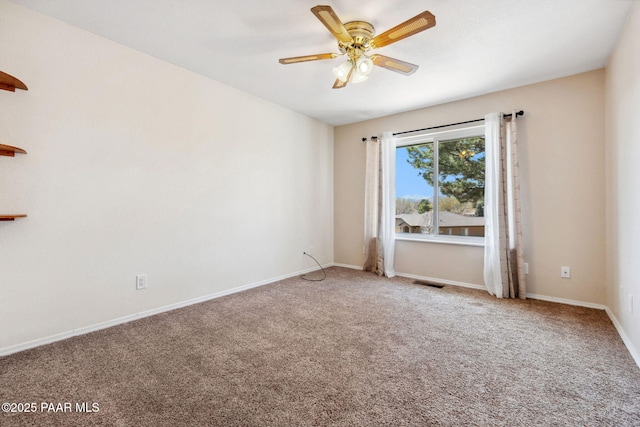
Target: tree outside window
(458, 195)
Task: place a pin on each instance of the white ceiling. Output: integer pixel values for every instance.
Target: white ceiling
(477, 47)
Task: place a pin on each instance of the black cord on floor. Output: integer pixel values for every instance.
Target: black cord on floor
(323, 272)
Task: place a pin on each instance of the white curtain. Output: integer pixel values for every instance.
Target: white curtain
(380, 205)
(503, 251)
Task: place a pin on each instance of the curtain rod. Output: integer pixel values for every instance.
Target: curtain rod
(518, 113)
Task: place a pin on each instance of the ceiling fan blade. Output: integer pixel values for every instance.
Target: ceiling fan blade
(296, 59)
(328, 17)
(418, 23)
(392, 64)
(339, 84)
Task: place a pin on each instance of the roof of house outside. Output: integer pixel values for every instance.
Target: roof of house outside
(445, 219)
(416, 219)
(448, 219)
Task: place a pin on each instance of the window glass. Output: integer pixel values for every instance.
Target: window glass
(452, 205)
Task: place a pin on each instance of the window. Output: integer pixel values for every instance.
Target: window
(440, 184)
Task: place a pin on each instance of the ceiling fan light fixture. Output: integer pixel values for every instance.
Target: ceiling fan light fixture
(358, 77)
(342, 72)
(364, 65)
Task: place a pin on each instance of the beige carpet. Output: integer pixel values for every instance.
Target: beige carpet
(354, 349)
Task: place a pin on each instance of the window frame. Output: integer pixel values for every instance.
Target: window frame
(435, 137)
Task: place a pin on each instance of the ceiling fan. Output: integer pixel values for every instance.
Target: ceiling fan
(355, 38)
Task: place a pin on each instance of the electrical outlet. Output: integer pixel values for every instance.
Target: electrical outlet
(526, 268)
(565, 272)
(141, 281)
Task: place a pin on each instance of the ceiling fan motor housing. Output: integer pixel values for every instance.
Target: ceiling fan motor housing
(362, 34)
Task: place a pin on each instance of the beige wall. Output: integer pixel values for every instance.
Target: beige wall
(562, 161)
(623, 181)
(137, 166)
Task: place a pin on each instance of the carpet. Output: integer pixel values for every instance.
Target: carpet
(352, 350)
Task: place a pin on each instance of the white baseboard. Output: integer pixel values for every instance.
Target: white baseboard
(625, 339)
(353, 267)
(483, 288)
(5, 351)
(438, 280)
(417, 277)
(567, 301)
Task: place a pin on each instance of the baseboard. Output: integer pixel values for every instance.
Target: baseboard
(438, 280)
(114, 322)
(353, 267)
(567, 301)
(417, 277)
(482, 287)
(635, 354)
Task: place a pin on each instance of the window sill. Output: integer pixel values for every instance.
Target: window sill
(446, 240)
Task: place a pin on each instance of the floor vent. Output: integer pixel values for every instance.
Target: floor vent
(432, 284)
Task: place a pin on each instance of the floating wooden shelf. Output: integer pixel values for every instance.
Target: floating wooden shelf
(7, 150)
(11, 217)
(10, 83)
